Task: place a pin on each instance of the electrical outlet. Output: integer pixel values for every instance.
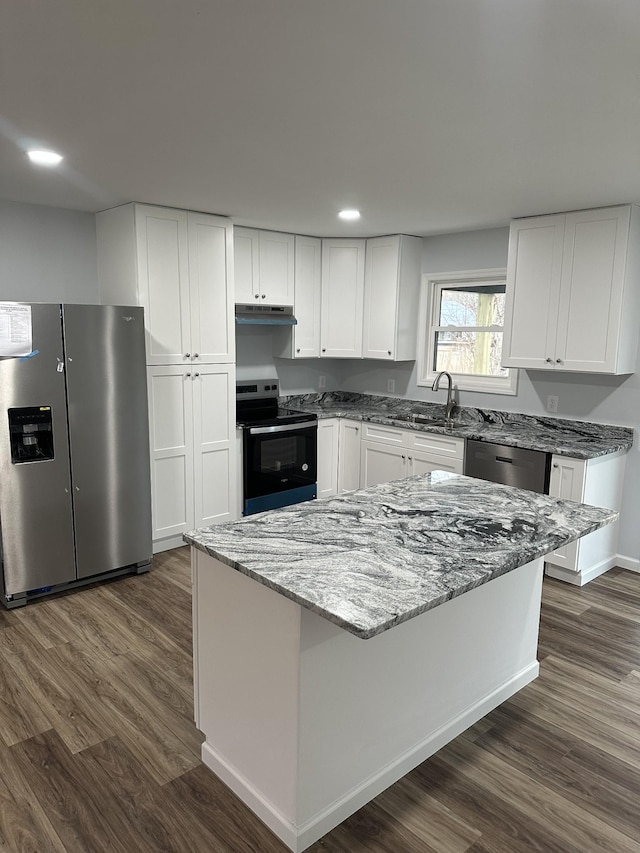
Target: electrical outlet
(322, 382)
(552, 404)
(391, 386)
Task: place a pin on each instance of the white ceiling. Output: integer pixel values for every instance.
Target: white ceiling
(429, 115)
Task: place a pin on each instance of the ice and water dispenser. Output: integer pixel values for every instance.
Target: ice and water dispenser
(31, 434)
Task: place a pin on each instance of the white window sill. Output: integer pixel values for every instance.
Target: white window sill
(483, 385)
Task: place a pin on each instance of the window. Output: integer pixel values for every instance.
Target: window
(461, 321)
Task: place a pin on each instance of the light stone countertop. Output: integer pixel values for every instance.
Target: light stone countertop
(578, 439)
(371, 559)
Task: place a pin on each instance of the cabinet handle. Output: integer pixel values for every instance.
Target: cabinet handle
(196, 355)
(264, 295)
(403, 456)
(298, 350)
(324, 349)
(257, 296)
(357, 429)
(187, 355)
(410, 458)
(187, 375)
(389, 351)
(555, 465)
(549, 360)
(195, 375)
(558, 361)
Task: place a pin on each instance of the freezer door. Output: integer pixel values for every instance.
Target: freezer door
(109, 435)
(35, 502)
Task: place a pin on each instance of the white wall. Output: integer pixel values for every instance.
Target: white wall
(47, 254)
(255, 346)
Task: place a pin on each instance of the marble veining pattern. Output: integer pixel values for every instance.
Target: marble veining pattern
(371, 559)
(578, 439)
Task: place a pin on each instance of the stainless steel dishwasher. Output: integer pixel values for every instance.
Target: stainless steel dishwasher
(513, 466)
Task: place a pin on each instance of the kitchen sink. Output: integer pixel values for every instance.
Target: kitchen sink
(439, 422)
(424, 419)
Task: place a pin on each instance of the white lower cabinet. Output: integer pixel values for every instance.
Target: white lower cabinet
(381, 463)
(192, 437)
(388, 454)
(349, 456)
(328, 437)
(425, 463)
(338, 456)
(593, 481)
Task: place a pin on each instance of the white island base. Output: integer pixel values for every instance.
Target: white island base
(306, 722)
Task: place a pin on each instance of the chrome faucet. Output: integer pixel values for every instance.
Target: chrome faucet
(450, 402)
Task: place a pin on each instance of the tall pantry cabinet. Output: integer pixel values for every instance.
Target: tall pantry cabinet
(179, 266)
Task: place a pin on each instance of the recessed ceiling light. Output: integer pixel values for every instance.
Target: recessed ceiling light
(44, 158)
(349, 214)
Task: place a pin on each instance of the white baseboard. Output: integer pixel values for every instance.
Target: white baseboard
(629, 563)
(168, 544)
(583, 577)
(298, 838)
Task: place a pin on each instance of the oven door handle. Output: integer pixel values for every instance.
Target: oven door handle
(282, 428)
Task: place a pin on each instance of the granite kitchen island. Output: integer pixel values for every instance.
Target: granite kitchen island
(339, 643)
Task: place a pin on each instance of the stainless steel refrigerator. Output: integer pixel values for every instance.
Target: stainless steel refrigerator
(75, 501)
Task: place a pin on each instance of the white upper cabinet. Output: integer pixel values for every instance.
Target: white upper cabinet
(246, 261)
(391, 296)
(264, 267)
(210, 240)
(573, 292)
(342, 298)
(179, 267)
(303, 339)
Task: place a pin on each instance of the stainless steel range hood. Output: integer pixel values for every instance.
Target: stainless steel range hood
(265, 315)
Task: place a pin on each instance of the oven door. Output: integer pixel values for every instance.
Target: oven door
(280, 465)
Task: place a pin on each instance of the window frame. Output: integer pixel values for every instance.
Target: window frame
(432, 284)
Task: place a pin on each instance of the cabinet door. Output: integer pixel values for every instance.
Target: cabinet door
(308, 282)
(349, 456)
(163, 275)
(424, 463)
(246, 263)
(593, 271)
(171, 445)
(567, 481)
(342, 298)
(211, 289)
(276, 266)
(534, 270)
(328, 437)
(214, 439)
(380, 463)
(380, 297)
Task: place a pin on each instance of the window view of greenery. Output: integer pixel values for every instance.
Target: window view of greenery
(468, 337)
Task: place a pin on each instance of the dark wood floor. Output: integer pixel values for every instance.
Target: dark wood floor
(98, 751)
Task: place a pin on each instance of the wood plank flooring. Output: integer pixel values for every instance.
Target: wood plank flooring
(98, 750)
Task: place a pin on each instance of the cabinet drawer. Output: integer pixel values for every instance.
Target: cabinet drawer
(383, 434)
(440, 445)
